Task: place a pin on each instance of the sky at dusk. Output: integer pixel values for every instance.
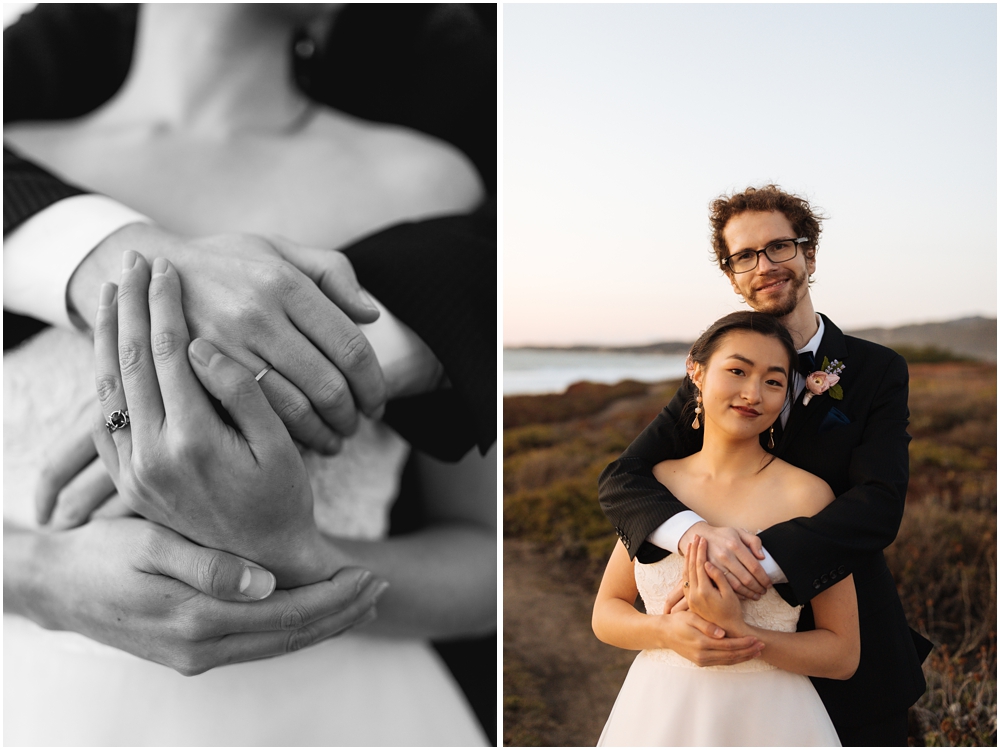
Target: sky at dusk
(622, 122)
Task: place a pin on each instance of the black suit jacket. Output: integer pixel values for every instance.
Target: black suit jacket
(429, 67)
(859, 447)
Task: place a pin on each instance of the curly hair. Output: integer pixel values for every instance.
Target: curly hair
(805, 220)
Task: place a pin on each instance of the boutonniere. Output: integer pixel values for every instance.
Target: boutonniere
(825, 380)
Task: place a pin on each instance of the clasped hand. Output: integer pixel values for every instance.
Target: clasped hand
(240, 488)
(267, 301)
(707, 590)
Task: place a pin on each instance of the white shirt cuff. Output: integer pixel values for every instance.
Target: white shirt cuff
(395, 344)
(668, 534)
(773, 570)
(40, 256)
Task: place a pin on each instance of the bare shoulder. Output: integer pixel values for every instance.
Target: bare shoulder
(664, 470)
(805, 493)
(406, 160)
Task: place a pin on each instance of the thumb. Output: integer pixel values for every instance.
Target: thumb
(235, 387)
(220, 575)
(708, 628)
(333, 273)
(753, 543)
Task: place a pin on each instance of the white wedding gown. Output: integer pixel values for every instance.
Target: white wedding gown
(62, 688)
(669, 701)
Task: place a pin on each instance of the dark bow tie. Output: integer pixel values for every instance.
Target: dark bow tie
(807, 363)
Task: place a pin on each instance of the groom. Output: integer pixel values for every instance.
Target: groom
(854, 437)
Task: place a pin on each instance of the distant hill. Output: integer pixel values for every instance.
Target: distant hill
(968, 337)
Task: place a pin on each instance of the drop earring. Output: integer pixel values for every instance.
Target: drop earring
(697, 410)
(770, 439)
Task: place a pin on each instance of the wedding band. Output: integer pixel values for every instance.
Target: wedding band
(117, 420)
(262, 373)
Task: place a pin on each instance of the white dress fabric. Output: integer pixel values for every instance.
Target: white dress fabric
(667, 700)
(62, 688)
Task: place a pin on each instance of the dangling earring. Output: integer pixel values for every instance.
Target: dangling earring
(770, 439)
(697, 410)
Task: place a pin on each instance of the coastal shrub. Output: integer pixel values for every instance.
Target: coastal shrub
(959, 708)
(945, 566)
(537, 468)
(923, 354)
(579, 400)
(953, 490)
(564, 516)
(526, 438)
(924, 452)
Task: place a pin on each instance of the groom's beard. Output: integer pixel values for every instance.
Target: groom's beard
(780, 305)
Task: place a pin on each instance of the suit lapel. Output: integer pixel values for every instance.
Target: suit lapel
(833, 346)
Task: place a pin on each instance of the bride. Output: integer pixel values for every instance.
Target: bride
(209, 135)
(741, 370)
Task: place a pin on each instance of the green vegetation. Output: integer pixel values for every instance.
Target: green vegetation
(943, 560)
(925, 354)
(579, 400)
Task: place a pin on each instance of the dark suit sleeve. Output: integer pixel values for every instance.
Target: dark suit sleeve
(60, 61)
(443, 285)
(631, 497)
(815, 553)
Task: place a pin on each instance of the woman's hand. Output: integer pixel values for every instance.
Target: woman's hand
(715, 602)
(74, 485)
(144, 589)
(240, 488)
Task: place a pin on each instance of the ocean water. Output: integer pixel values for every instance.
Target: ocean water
(532, 371)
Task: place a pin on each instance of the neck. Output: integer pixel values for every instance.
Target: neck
(802, 322)
(215, 70)
(723, 457)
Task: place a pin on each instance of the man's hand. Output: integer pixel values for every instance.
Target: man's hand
(736, 552)
(242, 488)
(144, 589)
(266, 302)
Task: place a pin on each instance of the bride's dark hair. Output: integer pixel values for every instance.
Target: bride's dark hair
(707, 344)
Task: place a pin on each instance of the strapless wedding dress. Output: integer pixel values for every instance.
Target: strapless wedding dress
(667, 700)
(64, 689)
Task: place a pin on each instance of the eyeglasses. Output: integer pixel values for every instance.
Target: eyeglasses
(779, 251)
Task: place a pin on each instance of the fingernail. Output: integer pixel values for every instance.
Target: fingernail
(202, 351)
(107, 295)
(366, 300)
(719, 632)
(379, 413)
(333, 446)
(363, 579)
(257, 583)
(379, 589)
(159, 266)
(128, 259)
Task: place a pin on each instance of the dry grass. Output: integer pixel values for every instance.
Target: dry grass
(944, 558)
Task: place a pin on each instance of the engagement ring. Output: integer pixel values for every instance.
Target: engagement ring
(117, 420)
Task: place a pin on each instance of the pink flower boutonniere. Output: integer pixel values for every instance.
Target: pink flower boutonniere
(825, 381)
